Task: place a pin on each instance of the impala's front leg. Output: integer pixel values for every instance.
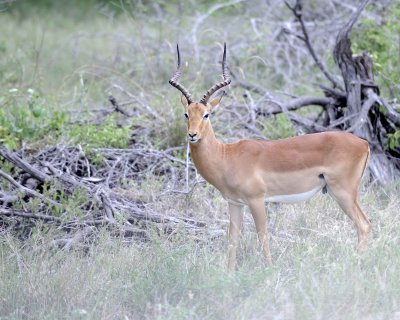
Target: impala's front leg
(236, 220)
(257, 208)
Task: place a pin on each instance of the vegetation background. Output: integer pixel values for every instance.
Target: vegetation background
(59, 63)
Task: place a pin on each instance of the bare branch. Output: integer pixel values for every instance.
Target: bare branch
(297, 12)
(26, 190)
(295, 104)
(391, 113)
(36, 216)
(13, 158)
(363, 115)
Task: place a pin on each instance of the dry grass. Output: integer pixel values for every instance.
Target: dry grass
(316, 274)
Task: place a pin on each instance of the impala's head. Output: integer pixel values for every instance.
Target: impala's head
(197, 114)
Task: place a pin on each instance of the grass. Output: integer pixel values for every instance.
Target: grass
(317, 274)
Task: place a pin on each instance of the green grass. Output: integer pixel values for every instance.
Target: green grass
(317, 274)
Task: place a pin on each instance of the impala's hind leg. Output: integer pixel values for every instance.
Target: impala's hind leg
(363, 242)
(348, 201)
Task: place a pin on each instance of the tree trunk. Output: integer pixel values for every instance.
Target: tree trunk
(363, 103)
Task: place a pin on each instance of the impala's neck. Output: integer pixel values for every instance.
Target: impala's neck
(207, 156)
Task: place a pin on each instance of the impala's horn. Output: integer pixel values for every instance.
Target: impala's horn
(217, 86)
(174, 80)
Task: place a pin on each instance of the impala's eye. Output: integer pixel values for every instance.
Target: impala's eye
(206, 116)
(186, 115)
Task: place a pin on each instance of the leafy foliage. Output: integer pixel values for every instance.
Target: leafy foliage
(278, 126)
(28, 117)
(106, 134)
(381, 40)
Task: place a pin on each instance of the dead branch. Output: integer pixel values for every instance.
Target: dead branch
(298, 13)
(357, 108)
(67, 169)
(24, 165)
(26, 190)
(295, 104)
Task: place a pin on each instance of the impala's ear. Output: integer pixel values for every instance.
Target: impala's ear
(215, 102)
(184, 101)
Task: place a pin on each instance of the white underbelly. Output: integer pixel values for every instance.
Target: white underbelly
(296, 197)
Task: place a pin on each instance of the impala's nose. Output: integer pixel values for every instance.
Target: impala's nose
(193, 137)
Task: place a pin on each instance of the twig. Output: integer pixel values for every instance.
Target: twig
(36, 216)
(295, 104)
(116, 106)
(13, 158)
(297, 12)
(363, 115)
(26, 190)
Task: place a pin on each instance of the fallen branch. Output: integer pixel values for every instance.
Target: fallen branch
(104, 207)
(295, 104)
(28, 191)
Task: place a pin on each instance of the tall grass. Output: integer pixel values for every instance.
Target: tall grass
(317, 274)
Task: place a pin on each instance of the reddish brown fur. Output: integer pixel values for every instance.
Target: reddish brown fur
(248, 171)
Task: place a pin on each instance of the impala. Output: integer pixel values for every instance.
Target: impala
(252, 172)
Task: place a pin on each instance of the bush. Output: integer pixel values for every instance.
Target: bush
(26, 117)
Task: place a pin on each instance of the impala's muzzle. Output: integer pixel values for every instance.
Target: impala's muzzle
(193, 137)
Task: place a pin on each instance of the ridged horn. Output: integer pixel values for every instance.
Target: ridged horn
(174, 80)
(219, 85)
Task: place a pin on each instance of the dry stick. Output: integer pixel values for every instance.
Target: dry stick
(307, 123)
(143, 103)
(342, 120)
(117, 203)
(391, 114)
(363, 115)
(297, 11)
(78, 237)
(279, 106)
(108, 207)
(353, 18)
(37, 216)
(187, 166)
(296, 104)
(64, 177)
(26, 190)
(117, 106)
(111, 171)
(13, 158)
(7, 197)
(250, 86)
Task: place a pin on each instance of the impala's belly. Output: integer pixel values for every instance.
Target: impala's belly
(296, 197)
(294, 186)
